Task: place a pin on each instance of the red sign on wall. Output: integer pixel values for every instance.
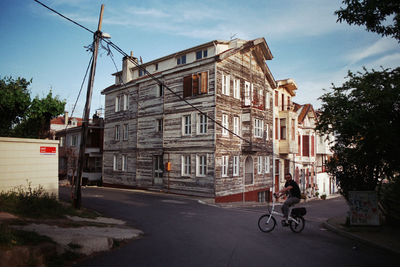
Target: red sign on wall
(47, 150)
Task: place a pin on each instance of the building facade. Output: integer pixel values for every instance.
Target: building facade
(285, 131)
(70, 140)
(202, 127)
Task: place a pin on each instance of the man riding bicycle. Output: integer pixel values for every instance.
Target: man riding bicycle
(294, 196)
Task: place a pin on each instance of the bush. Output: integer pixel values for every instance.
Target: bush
(323, 196)
(34, 203)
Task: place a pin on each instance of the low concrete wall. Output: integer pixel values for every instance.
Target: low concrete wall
(24, 161)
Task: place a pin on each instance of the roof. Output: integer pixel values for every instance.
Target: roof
(260, 48)
(261, 52)
(60, 120)
(289, 84)
(307, 108)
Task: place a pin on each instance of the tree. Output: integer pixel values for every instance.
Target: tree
(374, 14)
(23, 117)
(36, 123)
(364, 115)
(14, 102)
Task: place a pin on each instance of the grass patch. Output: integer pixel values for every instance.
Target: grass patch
(10, 237)
(36, 203)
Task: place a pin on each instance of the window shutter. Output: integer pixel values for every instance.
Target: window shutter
(195, 84)
(306, 145)
(204, 82)
(187, 86)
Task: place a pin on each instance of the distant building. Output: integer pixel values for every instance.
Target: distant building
(173, 141)
(305, 171)
(63, 122)
(70, 140)
(326, 183)
(285, 131)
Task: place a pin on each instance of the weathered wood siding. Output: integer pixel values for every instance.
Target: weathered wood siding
(244, 67)
(120, 147)
(176, 144)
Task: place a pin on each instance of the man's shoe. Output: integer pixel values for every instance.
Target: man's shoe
(285, 223)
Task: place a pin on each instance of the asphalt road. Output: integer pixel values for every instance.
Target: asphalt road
(180, 231)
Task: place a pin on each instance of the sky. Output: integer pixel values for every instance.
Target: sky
(307, 43)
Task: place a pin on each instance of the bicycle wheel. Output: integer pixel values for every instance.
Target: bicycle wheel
(297, 227)
(266, 223)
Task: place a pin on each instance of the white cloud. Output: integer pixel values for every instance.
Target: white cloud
(387, 61)
(379, 47)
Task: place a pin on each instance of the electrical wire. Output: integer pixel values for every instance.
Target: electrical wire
(65, 17)
(119, 50)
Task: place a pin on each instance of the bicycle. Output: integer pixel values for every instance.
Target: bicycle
(267, 222)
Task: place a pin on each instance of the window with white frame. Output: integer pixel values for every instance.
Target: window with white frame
(267, 164)
(158, 166)
(235, 165)
(202, 124)
(160, 125)
(117, 103)
(236, 88)
(187, 125)
(236, 125)
(260, 97)
(62, 141)
(224, 166)
(181, 60)
(267, 100)
(124, 162)
(115, 163)
(160, 90)
(117, 132)
(201, 54)
(74, 140)
(225, 124)
(186, 165)
(126, 102)
(258, 128)
(247, 94)
(201, 163)
(259, 164)
(225, 84)
(125, 132)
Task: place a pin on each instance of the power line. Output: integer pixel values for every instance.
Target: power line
(119, 50)
(83, 82)
(65, 17)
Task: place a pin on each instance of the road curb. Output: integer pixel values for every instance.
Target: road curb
(346, 234)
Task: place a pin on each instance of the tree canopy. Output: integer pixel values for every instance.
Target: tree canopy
(364, 115)
(23, 117)
(376, 15)
(14, 102)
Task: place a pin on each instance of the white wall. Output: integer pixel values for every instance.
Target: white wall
(29, 160)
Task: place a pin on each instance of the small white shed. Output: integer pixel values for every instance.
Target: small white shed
(33, 161)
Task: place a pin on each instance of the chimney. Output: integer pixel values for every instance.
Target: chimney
(66, 117)
(126, 67)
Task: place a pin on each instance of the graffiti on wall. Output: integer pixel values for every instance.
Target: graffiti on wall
(363, 208)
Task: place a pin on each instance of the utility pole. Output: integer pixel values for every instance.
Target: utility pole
(77, 198)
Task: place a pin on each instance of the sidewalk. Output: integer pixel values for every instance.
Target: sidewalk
(384, 236)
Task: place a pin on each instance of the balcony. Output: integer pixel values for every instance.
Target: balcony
(288, 147)
(252, 147)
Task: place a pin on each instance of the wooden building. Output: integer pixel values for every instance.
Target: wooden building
(206, 131)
